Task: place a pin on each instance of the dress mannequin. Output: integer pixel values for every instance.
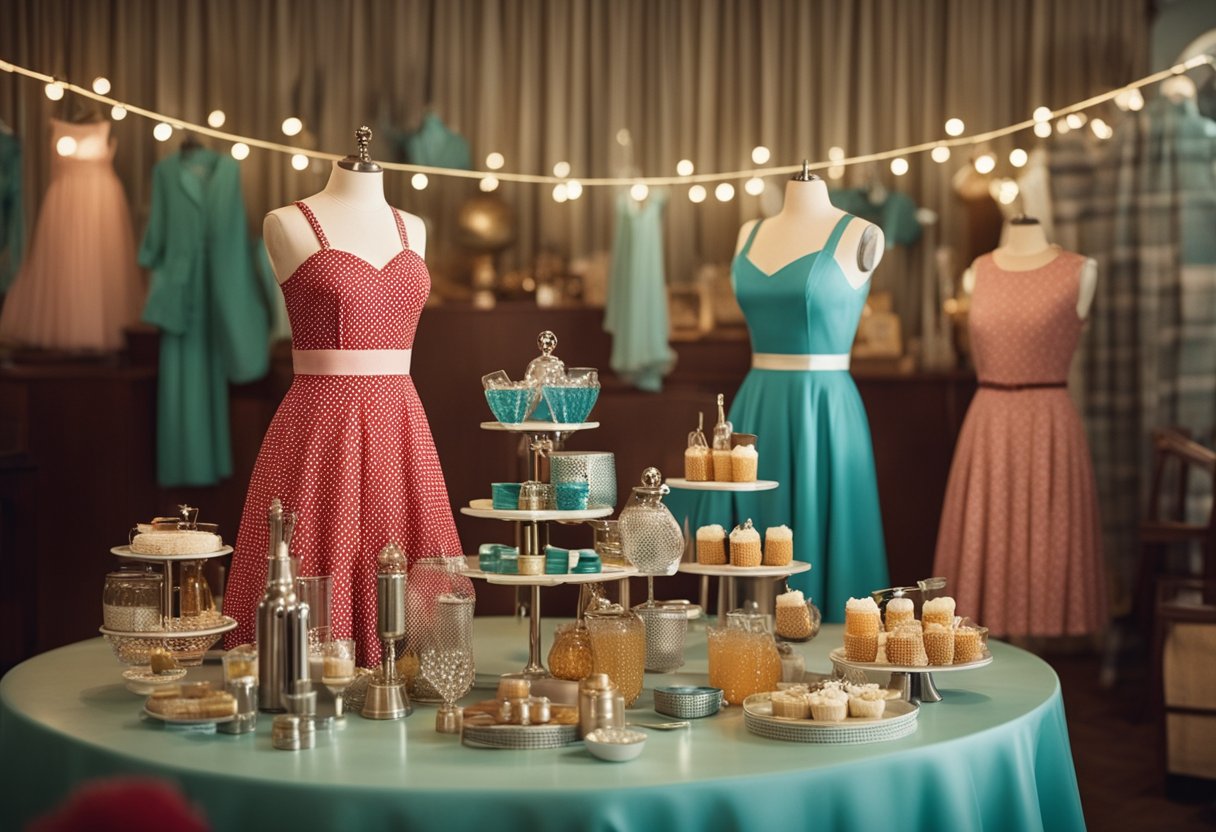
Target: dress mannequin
(349, 448)
(802, 226)
(355, 215)
(1025, 248)
(801, 278)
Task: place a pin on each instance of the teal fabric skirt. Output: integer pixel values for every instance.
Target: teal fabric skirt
(814, 439)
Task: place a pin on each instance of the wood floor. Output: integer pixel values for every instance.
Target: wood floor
(1116, 749)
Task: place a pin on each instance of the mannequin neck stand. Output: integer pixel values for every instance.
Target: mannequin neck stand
(354, 191)
(806, 203)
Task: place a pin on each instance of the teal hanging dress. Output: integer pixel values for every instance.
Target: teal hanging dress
(813, 435)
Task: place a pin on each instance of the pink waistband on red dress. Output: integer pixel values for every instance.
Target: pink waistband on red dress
(351, 362)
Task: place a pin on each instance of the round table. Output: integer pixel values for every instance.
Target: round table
(994, 754)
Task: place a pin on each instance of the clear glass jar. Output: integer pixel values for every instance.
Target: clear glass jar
(651, 539)
(743, 657)
(618, 648)
(439, 604)
(130, 601)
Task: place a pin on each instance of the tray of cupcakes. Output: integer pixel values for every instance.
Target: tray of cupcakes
(740, 552)
(894, 641)
(834, 712)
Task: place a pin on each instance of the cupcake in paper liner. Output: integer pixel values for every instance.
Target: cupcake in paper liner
(745, 545)
(867, 701)
(778, 545)
(938, 611)
(744, 460)
(711, 545)
(899, 611)
(861, 617)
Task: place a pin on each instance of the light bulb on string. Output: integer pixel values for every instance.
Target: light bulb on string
(240, 151)
(835, 154)
(1042, 129)
(419, 181)
(754, 186)
(1062, 126)
(53, 90)
(118, 112)
(760, 155)
(725, 192)
(488, 183)
(561, 170)
(559, 192)
(216, 119)
(291, 127)
(684, 167)
(955, 127)
(494, 161)
(639, 191)
(899, 166)
(1018, 157)
(1005, 191)
(1042, 114)
(985, 163)
(66, 146)
(299, 161)
(162, 132)
(940, 154)
(1135, 101)
(101, 85)
(1101, 129)
(574, 189)
(835, 171)
(1076, 120)
(697, 193)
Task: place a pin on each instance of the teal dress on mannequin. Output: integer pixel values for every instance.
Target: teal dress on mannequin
(811, 428)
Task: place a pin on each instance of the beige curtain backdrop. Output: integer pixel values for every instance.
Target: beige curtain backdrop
(548, 80)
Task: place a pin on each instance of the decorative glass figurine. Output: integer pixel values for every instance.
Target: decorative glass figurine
(545, 369)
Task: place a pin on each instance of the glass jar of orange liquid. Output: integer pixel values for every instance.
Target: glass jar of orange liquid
(743, 656)
(618, 648)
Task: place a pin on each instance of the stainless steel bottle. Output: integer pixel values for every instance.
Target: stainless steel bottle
(282, 626)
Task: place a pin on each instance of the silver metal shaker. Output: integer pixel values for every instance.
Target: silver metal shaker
(386, 694)
(600, 704)
(282, 622)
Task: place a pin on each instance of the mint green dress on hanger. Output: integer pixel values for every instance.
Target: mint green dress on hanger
(811, 428)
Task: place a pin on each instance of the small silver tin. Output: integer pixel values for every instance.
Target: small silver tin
(687, 702)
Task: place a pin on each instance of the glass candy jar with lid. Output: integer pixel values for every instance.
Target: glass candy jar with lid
(131, 601)
(651, 539)
(743, 657)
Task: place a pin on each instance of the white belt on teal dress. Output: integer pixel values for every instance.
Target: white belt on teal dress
(351, 362)
(783, 361)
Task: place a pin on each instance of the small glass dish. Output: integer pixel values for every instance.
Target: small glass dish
(616, 745)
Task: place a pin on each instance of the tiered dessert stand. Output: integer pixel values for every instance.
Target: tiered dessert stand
(182, 636)
(727, 574)
(533, 536)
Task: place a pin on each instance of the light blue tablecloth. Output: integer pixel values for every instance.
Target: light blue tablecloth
(993, 755)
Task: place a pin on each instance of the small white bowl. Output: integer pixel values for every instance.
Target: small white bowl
(616, 745)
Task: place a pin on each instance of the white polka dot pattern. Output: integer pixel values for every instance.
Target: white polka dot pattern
(1019, 541)
(352, 455)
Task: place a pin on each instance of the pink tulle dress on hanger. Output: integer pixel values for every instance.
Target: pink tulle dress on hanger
(79, 284)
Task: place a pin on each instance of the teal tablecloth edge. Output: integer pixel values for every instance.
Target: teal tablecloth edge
(1014, 776)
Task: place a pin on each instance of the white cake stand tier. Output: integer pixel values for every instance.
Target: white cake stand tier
(534, 668)
(914, 684)
(694, 485)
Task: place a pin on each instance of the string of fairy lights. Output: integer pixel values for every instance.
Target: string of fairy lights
(1043, 122)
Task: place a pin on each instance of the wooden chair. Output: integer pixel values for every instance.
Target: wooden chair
(1166, 526)
(1185, 698)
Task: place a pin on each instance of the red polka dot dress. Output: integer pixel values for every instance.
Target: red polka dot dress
(352, 455)
(1020, 540)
